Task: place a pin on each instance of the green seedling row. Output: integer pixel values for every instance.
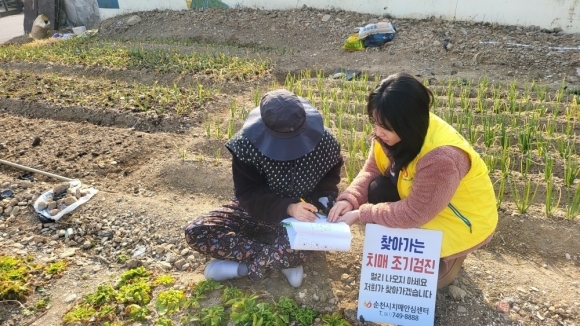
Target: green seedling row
(89, 52)
(57, 90)
(526, 132)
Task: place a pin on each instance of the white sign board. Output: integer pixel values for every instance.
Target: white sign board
(399, 274)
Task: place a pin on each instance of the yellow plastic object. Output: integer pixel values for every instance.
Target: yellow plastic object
(352, 43)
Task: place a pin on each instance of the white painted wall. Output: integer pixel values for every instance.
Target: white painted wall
(129, 6)
(564, 14)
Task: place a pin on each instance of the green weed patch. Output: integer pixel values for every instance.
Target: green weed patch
(188, 306)
(14, 276)
(20, 276)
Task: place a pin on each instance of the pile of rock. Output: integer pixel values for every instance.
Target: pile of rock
(12, 204)
(62, 196)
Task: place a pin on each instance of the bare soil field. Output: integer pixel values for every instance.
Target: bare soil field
(156, 171)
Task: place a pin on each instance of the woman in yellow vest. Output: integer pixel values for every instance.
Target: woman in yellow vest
(420, 173)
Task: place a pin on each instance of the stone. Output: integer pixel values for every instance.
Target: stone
(51, 205)
(61, 188)
(166, 265)
(49, 260)
(68, 253)
(77, 193)
(179, 264)
(160, 249)
(346, 278)
(133, 263)
(38, 239)
(87, 245)
(171, 258)
(42, 205)
(69, 200)
(456, 292)
(25, 184)
(15, 211)
(503, 307)
(70, 298)
(133, 20)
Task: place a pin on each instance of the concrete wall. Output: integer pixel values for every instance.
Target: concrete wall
(82, 13)
(549, 14)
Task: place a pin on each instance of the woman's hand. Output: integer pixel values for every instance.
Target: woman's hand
(339, 209)
(349, 217)
(302, 212)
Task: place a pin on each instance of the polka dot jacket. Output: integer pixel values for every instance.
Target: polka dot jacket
(288, 180)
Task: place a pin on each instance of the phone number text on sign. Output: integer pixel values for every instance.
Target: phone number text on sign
(399, 315)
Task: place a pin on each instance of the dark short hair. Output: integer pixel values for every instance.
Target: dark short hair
(401, 103)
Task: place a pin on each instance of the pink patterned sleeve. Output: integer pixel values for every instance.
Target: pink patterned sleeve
(436, 180)
(357, 192)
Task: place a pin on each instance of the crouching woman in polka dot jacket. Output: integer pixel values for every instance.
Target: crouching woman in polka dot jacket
(282, 153)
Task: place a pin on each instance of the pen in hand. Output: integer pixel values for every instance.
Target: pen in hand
(310, 210)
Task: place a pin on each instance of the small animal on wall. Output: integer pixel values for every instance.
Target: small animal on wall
(40, 27)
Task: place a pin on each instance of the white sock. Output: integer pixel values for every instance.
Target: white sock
(294, 275)
(221, 270)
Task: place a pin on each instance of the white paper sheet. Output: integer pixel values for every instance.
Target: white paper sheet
(320, 235)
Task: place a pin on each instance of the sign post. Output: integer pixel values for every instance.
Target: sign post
(399, 274)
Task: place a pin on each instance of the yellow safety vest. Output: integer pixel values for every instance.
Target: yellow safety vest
(471, 216)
